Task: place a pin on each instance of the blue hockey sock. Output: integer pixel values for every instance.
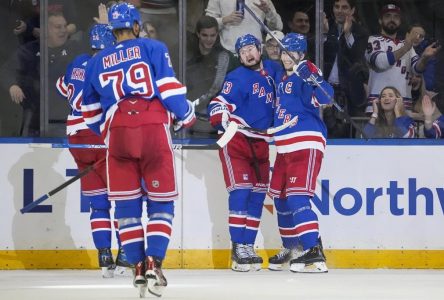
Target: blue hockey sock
(306, 220)
(254, 213)
(100, 219)
(237, 206)
(285, 223)
(159, 227)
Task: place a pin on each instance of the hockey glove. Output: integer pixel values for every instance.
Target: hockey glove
(188, 120)
(308, 72)
(220, 121)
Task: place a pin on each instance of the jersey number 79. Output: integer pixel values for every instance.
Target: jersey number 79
(137, 79)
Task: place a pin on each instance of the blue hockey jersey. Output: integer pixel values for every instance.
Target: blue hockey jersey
(295, 97)
(70, 86)
(248, 97)
(138, 68)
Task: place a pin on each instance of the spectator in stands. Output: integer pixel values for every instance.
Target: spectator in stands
(271, 47)
(24, 88)
(299, 23)
(233, 24)
(389, 119)
(207, 64)
(149, 30)
(420, 44)
(345, 67)
(433, 119)
(392, 61)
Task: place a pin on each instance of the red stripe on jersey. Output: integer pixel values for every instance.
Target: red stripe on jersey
(170, 86)
(133, 234)
(156, 227)
(61, 85)
(91, 113)
(299, 139)
(74, 121)
(100, 224)
(306, 227)
(237, 220)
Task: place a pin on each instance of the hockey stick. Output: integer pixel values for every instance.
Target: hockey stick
(221, 142)
(335, 104)
(33, 204)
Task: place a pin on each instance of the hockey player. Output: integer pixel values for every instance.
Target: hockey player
(247, 98)
(301, 90)
(129, 96)
(93, 185)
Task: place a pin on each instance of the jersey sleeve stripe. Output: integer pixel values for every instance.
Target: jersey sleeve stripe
(61, 86)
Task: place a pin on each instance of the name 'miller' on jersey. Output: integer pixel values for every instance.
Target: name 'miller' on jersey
(121, 56)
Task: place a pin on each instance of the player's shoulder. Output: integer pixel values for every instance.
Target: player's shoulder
(81, 60)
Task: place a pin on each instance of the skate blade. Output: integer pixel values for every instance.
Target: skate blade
(317, 267)
(276, 267)
(153, 287)
(107, 273)
(123, 271)
(142, 289)
(240, 268)
(256, 267)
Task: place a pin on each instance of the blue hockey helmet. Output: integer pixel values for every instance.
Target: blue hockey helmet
(295, 42)
(100, 36)
(123, 15)
(245, 40)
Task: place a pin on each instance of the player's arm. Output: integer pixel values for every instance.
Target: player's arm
(171, 91)
(92, 111)
(221, 107)
(62, 82)
(322, 91)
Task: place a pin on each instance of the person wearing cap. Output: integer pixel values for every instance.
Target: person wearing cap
(344, 66)
(271, 46)
(393, 61)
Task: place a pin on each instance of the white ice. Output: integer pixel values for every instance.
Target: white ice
(338, 284)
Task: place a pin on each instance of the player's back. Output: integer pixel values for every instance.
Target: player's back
(129, 69)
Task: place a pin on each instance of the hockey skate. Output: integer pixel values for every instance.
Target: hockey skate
(311, 261)
(240, 259)
(154, 276)
(106, 262)
(256, 260)
(123, 267)
(139, 278)
(281, 260)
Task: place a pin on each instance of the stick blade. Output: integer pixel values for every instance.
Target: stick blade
(228, 135)
(292, 122)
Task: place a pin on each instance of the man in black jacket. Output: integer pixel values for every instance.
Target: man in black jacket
(344, 65)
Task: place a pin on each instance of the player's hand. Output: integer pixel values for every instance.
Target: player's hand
(308, 72)
(220, 121)
(188, 120)
(16, 94)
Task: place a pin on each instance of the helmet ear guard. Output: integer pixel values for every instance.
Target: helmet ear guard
(123, 16)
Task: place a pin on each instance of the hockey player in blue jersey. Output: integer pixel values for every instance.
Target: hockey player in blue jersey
(131, 96)
(301, 90)
(247, 98)
(93, 185)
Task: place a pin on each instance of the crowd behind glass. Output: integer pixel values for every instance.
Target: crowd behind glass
(395, 95)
